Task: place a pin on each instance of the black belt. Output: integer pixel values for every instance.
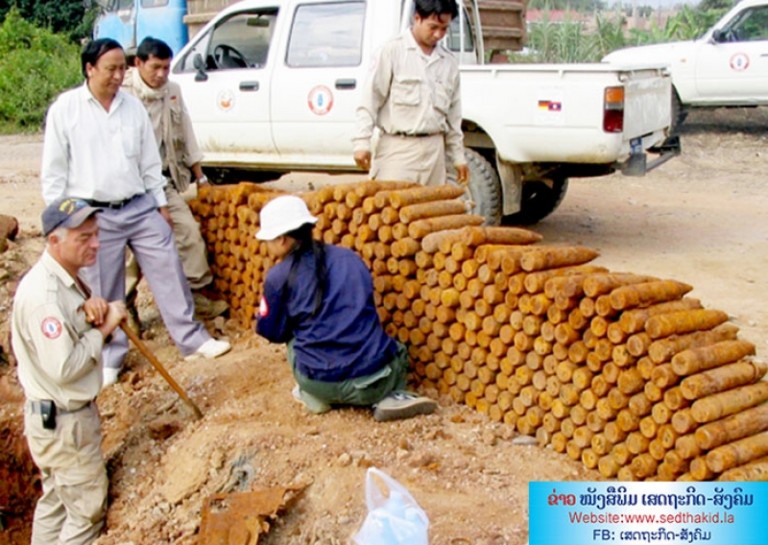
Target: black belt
(112, 205)
(34, 406)
(415, 134)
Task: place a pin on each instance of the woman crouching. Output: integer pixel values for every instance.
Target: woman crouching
(318, 299)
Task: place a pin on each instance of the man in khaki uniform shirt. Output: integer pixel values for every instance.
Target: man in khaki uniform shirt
(57, 333)
(181, 158)
(412, 95)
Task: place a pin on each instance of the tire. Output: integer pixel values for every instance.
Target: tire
(678, 113)
(540, 198)
(484, 187)
(226, 176)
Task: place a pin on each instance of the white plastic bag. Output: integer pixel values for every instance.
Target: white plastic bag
(394, 517)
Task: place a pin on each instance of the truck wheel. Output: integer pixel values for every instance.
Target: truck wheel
(678, 114)
(484, 187)
(225, 176)
(540, 198)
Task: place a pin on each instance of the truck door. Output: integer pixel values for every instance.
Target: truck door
(733, 65)
(164, 20)
(315, 86)
(232, 90)
(117, 20)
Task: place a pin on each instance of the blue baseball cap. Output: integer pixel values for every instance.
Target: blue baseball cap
(67, 212)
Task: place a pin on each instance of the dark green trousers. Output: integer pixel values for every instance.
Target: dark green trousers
(364, 391)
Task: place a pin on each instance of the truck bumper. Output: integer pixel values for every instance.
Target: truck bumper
(638, 163)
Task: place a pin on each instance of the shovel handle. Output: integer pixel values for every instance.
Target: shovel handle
(160, 368)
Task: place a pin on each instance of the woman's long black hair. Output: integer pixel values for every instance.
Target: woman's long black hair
(305, 244)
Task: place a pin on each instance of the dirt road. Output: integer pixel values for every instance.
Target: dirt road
(700, 218)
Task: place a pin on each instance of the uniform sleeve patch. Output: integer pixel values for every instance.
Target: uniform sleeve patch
(263, 308)
(51, 327)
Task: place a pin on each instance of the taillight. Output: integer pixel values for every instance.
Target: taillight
(613, 109)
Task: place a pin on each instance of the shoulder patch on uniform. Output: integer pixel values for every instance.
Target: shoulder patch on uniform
(51, 327)
(263, 307)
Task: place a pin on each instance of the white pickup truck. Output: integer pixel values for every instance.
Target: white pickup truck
(727, 66)
(272, 87)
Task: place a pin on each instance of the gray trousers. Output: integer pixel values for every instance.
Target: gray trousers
(189, 243)
(138, 225)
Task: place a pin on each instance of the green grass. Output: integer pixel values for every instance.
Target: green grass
(35, 66)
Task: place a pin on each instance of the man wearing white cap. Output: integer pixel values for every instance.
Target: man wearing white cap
(58, 331)
(318, 299)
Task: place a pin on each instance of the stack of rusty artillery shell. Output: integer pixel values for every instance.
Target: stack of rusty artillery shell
(621, 371)
(229, 219)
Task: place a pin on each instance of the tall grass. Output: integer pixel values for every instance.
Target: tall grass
(570, 42)
(35, 66)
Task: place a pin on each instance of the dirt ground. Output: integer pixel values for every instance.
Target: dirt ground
(701, 218)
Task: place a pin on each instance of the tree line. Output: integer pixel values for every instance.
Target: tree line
(73, 18)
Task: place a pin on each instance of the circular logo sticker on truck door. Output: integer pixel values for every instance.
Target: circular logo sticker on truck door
(320, 100)
(739, 62)
(225, 100)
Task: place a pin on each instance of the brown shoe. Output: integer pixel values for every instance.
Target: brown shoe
(206, 309)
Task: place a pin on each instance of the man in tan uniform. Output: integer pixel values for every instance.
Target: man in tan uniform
(57, 334)
(181, 158)
(412, 95)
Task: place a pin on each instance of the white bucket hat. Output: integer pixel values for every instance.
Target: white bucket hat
(283, 215)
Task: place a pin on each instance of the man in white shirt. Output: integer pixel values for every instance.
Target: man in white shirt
(99, 146)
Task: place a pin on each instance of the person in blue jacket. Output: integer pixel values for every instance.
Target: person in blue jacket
(318, 298)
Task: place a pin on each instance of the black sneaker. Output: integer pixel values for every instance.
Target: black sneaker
(400, 404)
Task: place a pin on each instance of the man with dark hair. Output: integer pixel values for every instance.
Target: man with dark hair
(412, 95)
(58, 331)
(148, 81)
(99, 146)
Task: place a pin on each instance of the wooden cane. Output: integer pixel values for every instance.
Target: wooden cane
(159, 366)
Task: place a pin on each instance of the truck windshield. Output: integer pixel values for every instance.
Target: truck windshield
(749, 25)
(241, 41)
(326, 35)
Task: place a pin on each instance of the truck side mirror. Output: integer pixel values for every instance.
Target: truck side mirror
(199, 64)
(719, 36)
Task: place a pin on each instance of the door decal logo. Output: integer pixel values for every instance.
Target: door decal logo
(320, 100)
(225, 100)
(739, 62)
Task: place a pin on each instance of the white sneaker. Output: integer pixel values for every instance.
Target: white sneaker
(212, 348)
(109, 376)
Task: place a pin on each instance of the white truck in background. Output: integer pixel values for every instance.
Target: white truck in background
(726, 67)
(272, 87)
